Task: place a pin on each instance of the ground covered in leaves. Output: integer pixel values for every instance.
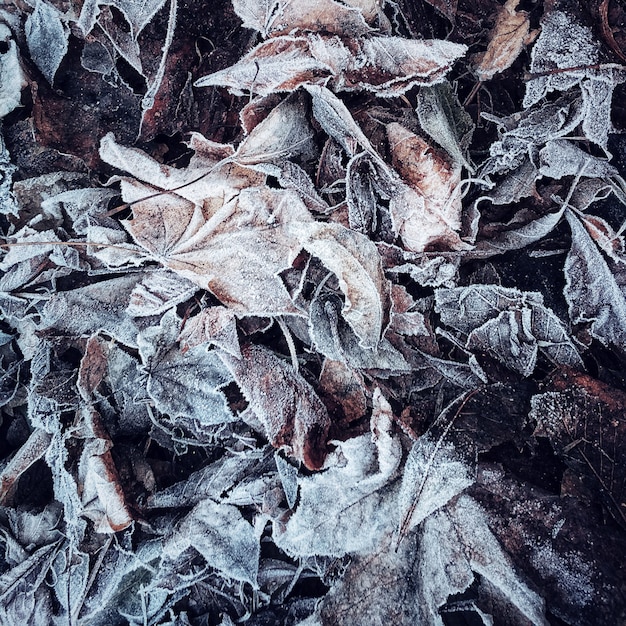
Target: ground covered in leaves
(312, 312)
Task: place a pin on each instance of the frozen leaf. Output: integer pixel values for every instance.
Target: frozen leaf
(47, 38)
(183, 384)
(389, 66)
(459, 538)
(139, 13)
(97, 307)
(278, 17)
(157, 292)
(214, 325)
(349, 494)
(560, 158)
(222, 536)
(284, 134)
(289, 409)
(12, 79)
(514, 236)
(434, 217)
(354, 259)
(581, 418)
(594, 291)
(506, 41)
(344, 386)
(549, 53)
(434, 474)
(444, 119)
(446, 7)
(511, 324)
(236, 251)
(336, 340)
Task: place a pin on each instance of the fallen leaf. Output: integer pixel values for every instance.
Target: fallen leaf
(289, 409)
(13, 79)
(506, 41)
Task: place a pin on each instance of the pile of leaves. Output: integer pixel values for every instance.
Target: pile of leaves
(329, 332)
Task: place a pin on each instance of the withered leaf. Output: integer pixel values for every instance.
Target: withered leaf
(388, 66)
(183, 384)
(289, 409)
(278, 17)
(214, 325)
(13, 79)
(513, 325)
(506, 41)
(235, 251)
(222, 536)
(594, 291)
(431, 215)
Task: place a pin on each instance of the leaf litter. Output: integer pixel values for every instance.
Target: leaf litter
(313, 314)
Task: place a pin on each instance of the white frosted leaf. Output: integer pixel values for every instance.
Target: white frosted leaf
(222, 536)
(595, 293)
(12, 79)
(560, 158)
(159, 291)
(47, 38)
(433, 475)
(183, 384)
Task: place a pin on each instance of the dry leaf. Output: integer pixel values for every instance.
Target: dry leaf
(506, 41)
(434, 215)
(289, 409)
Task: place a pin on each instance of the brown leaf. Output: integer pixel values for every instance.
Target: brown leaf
(389, 66)
(279, 17)
(289, 409)
(235, 250)
(429, 211)
(215, 325)
(344, 386)
(506, 41)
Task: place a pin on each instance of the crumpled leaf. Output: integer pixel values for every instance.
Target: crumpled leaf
(278, 17)
(47, 38)
(222, 536)
(214, 325)
(594, 290)
(511, 324)
(12, 78)
(139, 13)
(389, 66)
(436, 183)
(351, 493)
(579, 58)
(506, 41)
(560, 158)
(292, 414)
(158, 292)
(183, 384)
(354, 259)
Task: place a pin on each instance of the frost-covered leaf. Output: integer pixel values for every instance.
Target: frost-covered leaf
(351, 493)
(513, 236)
(47, 38)
(444, 119)
(594, 290)
(12, 79)
(434, 474)
(506, 41)
(277, 17)
(158, 292)
(389, 66)
(222, 536)
(560, 158)
(139, 13)
(235, 251)
(437, 218)
(214, 325)
(354, 259)
(581, 418)
(565, 55)
(87, 310)
(183, 383)
(292, 414)
(513, 325)
(456, 543)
